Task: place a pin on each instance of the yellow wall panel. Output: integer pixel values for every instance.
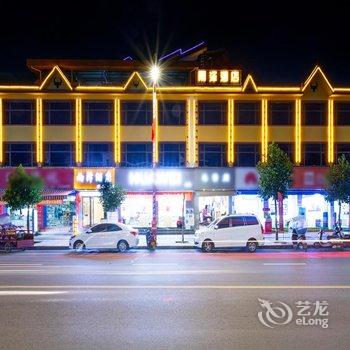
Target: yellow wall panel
(172, 133)
(61, 133)
(313, 133)
(93, 133)
(19, 133)
(217, 133)
(140, 133)
(244, 133)
(342, 134)
(281, 134)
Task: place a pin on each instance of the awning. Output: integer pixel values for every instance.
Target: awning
(50, 196)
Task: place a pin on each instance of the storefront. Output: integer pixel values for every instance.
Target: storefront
(179, 193)
(57, 208)
(88, 206)
(306, 197)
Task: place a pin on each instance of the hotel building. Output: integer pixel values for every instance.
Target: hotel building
(80, 121)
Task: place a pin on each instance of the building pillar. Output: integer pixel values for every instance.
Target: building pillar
(230, 134)
(39, 132)
(1, 134)
(117, 142)
(192, 132)
(330, 132)
(78, 132)
(297, 132)
(264, 130)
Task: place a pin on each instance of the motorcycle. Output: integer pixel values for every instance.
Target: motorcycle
(299, 238)
(331, 241)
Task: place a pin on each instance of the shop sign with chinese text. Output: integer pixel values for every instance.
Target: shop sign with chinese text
(90, 178)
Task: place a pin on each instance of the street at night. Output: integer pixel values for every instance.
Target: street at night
(169, 299)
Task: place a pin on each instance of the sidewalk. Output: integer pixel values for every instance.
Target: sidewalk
(61, 240)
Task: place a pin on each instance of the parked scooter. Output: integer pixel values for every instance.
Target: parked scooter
(299, 238)
(333, 240)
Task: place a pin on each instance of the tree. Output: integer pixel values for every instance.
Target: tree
(275, 176)
(112, 196)
(338, 183)
(23, 191)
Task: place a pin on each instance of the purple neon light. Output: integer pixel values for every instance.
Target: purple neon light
(180, 52)
(127, 58)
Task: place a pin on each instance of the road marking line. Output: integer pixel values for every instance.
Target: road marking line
(285, 264)
(155, 264)
(181, 287)
(28, 292)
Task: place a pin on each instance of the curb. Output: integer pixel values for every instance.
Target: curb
(168, 247)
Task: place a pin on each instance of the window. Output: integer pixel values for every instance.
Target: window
(237, 221)
(314, 113)
(98, 154)
(343, 148)
(98, 113)
(19, 154)
(212, 113)
(172, 113)
(342, 113)
(19, 112)
(136, 113)
(281, 113)
(251, 220)
(136, 154)
(314, 154)
(247, 113)
(172, 154)
(58, 113)
(212, 154)
(113, 228)
(247, 154)
(99, 228)
(224, 223)
(59, 154)
(287, 148)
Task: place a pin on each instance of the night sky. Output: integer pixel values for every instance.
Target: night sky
(278, 42)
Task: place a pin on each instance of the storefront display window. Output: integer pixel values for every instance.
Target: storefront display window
(136, 210)
(59, 215)
(212, 207)
(92, 211)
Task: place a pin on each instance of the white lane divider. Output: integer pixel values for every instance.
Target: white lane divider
(285, 264)
(28, 292)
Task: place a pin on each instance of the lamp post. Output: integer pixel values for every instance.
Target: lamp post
(155, 74)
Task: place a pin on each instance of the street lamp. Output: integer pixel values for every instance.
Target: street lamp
(154, 75)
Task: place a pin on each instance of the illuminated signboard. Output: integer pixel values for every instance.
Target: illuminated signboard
(218, 77)
(175, 179)
(90, 178)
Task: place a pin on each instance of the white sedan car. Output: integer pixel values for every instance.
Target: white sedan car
(106, 236)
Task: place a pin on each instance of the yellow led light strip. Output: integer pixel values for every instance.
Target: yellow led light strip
(230, 128)
(251, 80)
(78, 132)
(39, 131)
(297, 131)
(314, 72)
(264, 130)
(59, 71)
(1, 133)
(117, 151)
(195, 137)
(330, 131)
(132, 77)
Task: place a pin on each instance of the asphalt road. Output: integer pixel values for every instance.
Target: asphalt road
(174, 299)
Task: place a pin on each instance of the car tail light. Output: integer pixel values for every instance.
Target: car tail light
(134, 233)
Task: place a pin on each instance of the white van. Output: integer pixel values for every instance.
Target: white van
(236, 230)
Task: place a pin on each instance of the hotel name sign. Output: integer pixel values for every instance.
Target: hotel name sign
(218, 77)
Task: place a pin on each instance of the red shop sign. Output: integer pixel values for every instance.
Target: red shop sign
(55, 178)
(309, 177)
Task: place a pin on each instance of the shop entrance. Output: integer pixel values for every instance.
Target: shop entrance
(92, 211)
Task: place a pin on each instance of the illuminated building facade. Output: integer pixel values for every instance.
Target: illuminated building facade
(92, 119)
